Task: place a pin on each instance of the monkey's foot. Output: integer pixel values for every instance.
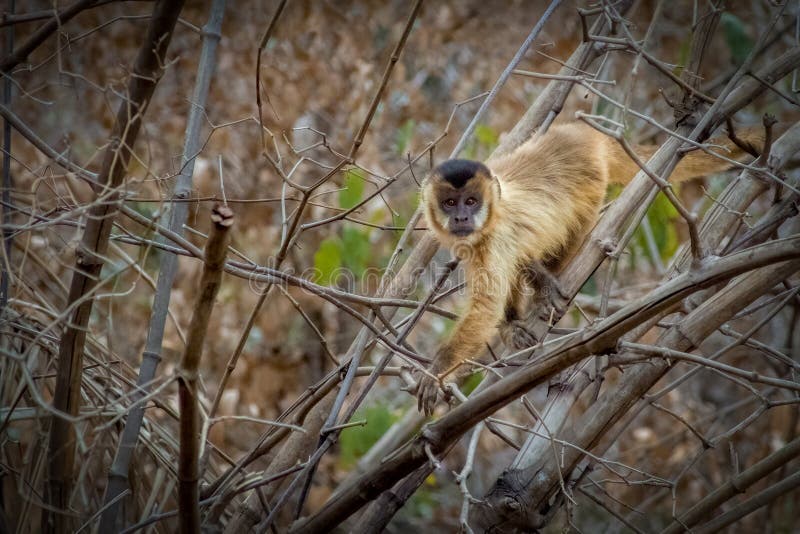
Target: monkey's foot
(427, 394)
(516, 335)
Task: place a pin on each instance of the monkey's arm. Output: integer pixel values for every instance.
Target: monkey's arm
(473, 331)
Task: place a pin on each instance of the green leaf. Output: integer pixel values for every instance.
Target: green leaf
(356, 250)
(353, 188)
(486, 135)
(735, 33)
(327, 260)
(403, 136)
(355, 441)
(471, 383)
(662, 215)
(683, 55)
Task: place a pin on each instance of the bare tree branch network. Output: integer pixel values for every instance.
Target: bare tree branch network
(165, 369)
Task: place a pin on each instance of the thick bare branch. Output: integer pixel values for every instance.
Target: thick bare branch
(210, 280)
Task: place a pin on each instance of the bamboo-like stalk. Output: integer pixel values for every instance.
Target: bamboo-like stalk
(147, 71)
(151, 356)
(188, 476)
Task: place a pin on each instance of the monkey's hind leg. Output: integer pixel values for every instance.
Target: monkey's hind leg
(538, 300)
(514, 329)
(515, 333)
(549, 298)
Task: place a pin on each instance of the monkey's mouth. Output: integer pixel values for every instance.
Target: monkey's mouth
(462, 231)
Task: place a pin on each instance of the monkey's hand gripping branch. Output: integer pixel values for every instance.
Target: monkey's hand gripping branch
(429, 384)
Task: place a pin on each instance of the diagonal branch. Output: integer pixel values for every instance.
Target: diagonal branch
(737, 484)
(556, 356)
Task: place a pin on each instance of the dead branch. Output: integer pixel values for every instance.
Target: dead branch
(188, 474)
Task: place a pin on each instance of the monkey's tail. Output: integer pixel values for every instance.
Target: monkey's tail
(695, 164)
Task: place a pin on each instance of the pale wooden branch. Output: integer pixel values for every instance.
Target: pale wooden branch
(602, 242)
(609, 408)
(539, 115)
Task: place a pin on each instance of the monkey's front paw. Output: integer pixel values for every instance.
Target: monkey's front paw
(427, 393)
(516, 336)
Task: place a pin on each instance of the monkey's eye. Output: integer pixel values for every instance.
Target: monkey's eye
(471, 201)
(450, 202)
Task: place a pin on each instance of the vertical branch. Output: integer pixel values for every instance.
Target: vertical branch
(7, 183)
(151, 356)
(147, 70)
(262, 297)
(264, 40)
(188, 476)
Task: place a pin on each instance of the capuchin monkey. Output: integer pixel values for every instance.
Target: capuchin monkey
(516, 219)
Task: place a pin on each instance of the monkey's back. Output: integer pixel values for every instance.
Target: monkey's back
(552, 188)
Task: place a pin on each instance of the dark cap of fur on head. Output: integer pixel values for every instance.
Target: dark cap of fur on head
(458, 171)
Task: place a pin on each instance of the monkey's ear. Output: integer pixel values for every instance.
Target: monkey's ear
(496, 186)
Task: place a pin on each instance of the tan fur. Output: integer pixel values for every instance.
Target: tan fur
(550, 192)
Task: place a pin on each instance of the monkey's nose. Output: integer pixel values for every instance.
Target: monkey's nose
(460, 219)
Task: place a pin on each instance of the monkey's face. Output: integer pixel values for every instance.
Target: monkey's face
(460, 198)
(464, 211)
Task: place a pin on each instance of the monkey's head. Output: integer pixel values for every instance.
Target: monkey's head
(460, 200)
